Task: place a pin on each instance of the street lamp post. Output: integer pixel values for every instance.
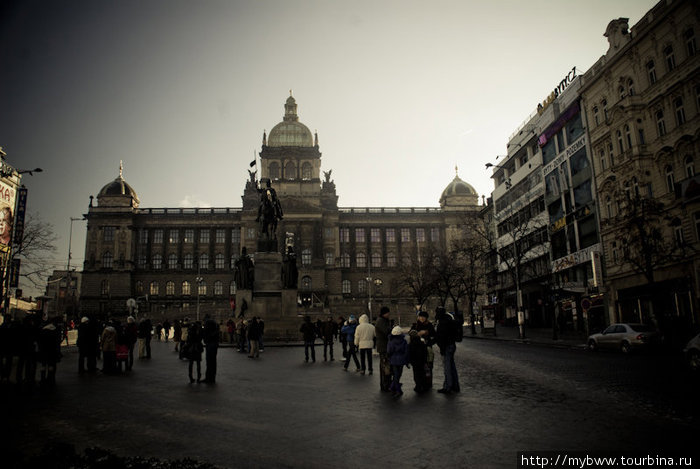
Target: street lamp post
(198, 279)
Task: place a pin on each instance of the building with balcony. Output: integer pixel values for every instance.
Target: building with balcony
(642, 101)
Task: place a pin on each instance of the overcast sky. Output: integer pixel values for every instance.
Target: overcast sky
(400, 92)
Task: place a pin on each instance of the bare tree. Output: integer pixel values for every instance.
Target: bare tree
(36, 251)
(417, 274)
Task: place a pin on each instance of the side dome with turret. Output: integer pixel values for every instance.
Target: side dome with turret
(117, 194)
(458, 194)
(290, 132)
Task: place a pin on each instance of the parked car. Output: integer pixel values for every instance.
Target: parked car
(625, 337)
(692, 354)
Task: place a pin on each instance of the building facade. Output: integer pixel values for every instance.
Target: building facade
(178, 262)
(642, 99)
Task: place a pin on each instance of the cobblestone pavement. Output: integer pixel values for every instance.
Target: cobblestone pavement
(277, 411)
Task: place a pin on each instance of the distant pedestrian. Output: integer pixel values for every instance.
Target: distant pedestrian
(383, 331)
(183, 339)
(131, 332)
(211, 345)
(159, 331)
(88, 345)
(309, 332)
(242, 331)
(177, 333)
(397, 351)
(364, 341)
(166, 329)
(329, 330)
(49, 353)
(145, 331)
(231, 330)
(193, 348)
(253, 331)
(109, 348)
(348, 331)
(341, 337)
(445, 334)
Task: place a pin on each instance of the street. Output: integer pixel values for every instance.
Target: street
(278, 411)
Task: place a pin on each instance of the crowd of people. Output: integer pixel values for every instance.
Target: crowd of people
(35, 344)
(396, 350)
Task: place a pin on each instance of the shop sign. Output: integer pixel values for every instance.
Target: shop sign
(568, 79)
(575, 258)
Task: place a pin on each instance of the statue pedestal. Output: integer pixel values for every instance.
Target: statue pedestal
(267, 246)
(268, 271)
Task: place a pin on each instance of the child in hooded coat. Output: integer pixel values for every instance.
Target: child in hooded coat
(397, 351)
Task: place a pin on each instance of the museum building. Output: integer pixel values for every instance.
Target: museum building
(180, 262)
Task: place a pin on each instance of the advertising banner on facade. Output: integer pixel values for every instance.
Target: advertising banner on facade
(8, 195)
(19, 215)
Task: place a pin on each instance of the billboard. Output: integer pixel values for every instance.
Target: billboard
(8, 196)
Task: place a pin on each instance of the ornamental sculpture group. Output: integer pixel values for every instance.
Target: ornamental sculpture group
(269, 213)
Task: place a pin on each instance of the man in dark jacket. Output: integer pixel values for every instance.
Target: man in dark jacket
(145, 330)
(383, 328)
(445, 334)
(309, 332)
(329, 330)
(211, 347)
(88, 345)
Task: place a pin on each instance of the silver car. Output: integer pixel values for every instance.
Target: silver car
(625, 337)
(692, 354)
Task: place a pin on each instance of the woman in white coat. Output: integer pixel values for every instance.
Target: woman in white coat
(364, 340)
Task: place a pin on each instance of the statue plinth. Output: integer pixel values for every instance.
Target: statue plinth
(268, 269)
(266, 245)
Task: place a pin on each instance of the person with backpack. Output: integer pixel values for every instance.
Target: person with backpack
(445, 335)
(348, 332)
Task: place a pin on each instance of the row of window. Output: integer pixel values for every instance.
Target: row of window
(188, 235)
(375, 235)
(290, 171)
(346, 286)
(624, 135)
(626, 86)
(157, 261)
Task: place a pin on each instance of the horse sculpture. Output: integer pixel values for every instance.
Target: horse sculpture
(269, 212)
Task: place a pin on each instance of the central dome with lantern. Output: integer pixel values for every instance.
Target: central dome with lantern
(458, 194)
(290, 132)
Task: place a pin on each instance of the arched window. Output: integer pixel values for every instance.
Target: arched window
(670, 182)
(596, 117)
(186, 288)
(290, 171)
(347, 287)
(306, 171)
(689, 166)
(139, 287)
(306, 282)
(609, 206)
(306, 257)
(635, 187)
(157, 262)
(621, 91)
(104, 287)
(603, 164)
(203, 261)
(345, 260)
(604, 103)
(376, 259)
(232, 288)
(391, 259)
(628, 136)
(154, 289)
(362, 286)
(202, 289)
(218, 288)
(107, 259)
(170, 288)
(361, 259)
(172, 261)
(630, 87)
(219, 261)
(188, 261)
(274, 170)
